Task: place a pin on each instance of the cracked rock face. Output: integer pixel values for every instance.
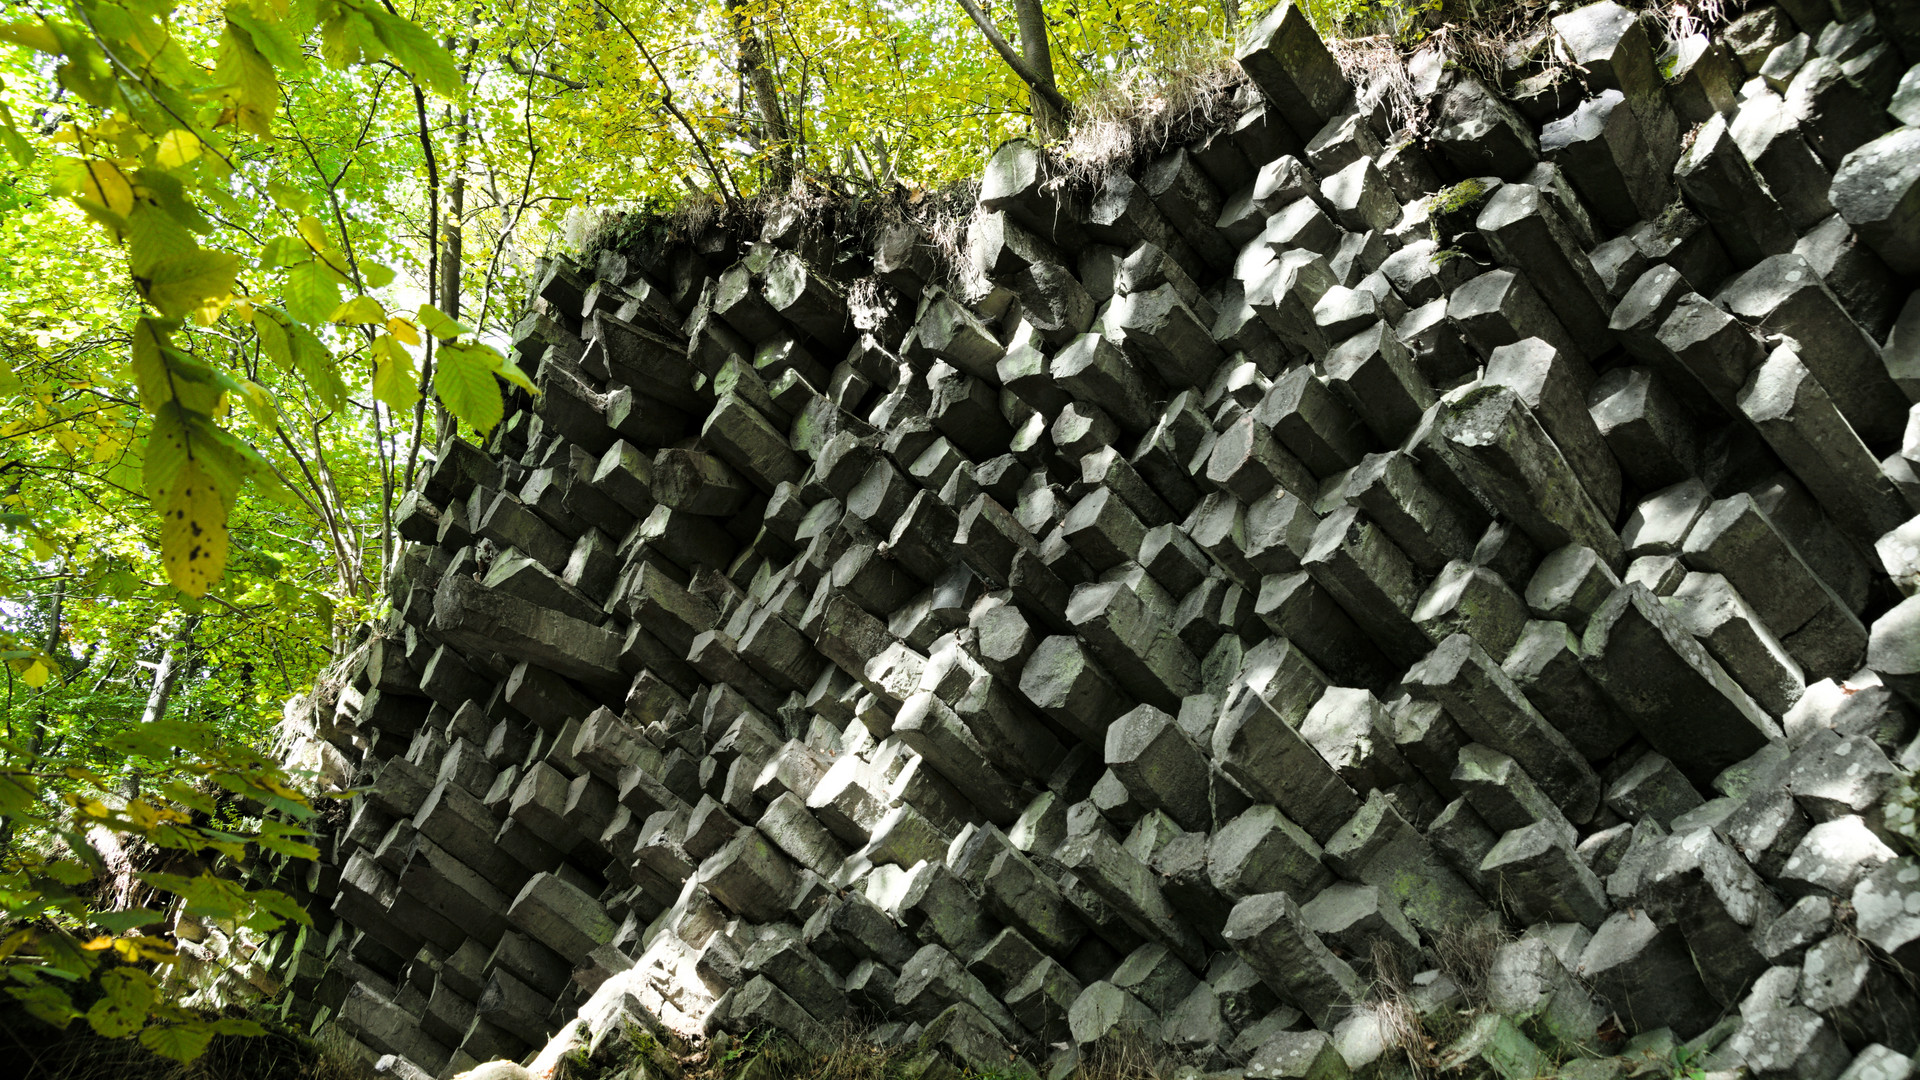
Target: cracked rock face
(1236, 582)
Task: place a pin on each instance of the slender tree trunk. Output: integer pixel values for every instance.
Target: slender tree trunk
(1232, 10)
(1050, 121)
(433, 286)
(753, 65)
(1031, 17)
(451, 249)
(166, 676)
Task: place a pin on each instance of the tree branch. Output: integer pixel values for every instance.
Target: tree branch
(666, 99)
(1043, 87)
(528, 71)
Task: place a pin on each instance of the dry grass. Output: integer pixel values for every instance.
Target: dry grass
(1465, 955)
(944, 217)
(1138, 112)
(1127, 1054)
(1690, 17)
(1393, 1004)
(851, 1055)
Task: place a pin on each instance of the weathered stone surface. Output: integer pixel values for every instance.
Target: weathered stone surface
(1877, 189)
(1485, 702)
(1514, 466)
(558, 914)
(1263, 753)
(1269, 932)
(1649, 665)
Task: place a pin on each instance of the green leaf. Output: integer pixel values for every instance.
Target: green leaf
(393, 380)
(274, 909)
(347, 38)
(464, 381)
(360, 309)
(193, 528)
(119, 922)
(237, 1025)
(67, 872)
(255, 89)
(440, 324)
(150, 346)
(196, 283)
(182, 1041)
(314, 361)
(167, 451)
(280, 837)
(127, 995)
(15, 143)
(416, 51)
(311, 293)
(18, 795)
(159, 738)
(274, 341)
(284, 251)
(277, 40)
(154, 235)
(259, 402)
(289, 197)
(48, 1003)
(514, 374)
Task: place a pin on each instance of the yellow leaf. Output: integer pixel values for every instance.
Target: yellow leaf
(360, 309)
(98, 182)
(393, 380)
(104, 941)
(36, 36)
(259, 402)
(176, 148)
(36, 674)
(193, 530)
(407, 332)
(314, 233)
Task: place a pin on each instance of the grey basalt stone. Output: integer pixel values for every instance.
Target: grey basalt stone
(1648, 664)
(1877, 189)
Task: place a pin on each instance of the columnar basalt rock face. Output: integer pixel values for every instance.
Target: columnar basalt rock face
(1305, 542)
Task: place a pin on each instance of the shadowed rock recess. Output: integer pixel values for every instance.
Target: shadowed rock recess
(1247, 575)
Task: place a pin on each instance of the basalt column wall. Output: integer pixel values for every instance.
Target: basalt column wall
(1242, 575)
